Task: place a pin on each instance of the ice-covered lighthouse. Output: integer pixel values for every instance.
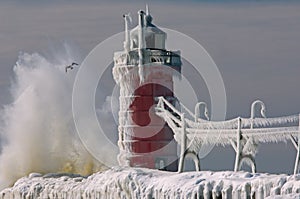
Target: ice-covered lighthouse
(144, 70)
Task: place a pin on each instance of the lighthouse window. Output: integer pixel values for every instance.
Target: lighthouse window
(157, 59)
(168, 60)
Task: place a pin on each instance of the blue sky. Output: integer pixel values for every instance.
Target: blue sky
(255, 44)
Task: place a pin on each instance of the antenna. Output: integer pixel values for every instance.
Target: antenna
(147, 10)
(127, 19)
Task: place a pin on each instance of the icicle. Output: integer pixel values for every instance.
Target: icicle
(227, 192)
(141, 45)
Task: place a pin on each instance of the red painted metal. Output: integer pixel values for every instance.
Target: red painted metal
(144, 118)
(153, 145)
(161, 133)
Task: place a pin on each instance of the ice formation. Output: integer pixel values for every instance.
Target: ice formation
(243, 134)
(120, 182)
(144, 70)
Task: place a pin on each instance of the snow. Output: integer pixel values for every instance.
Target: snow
(288, 196)
(125, 182)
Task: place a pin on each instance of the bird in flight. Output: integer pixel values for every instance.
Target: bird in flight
(71, 66)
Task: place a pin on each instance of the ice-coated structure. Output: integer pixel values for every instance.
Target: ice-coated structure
(139, 183)
(243, 134)
(149, 122)
(144, 70)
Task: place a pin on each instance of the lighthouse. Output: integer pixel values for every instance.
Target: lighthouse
(144, 70)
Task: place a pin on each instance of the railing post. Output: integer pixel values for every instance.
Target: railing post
(183, 144)
(197, 112)
(238, 145)
(160, 102)
(298, 150)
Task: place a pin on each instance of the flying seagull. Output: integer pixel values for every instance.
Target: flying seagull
(71, 66)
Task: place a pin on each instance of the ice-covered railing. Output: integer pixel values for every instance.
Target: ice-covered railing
(151, 55)
(243, 134)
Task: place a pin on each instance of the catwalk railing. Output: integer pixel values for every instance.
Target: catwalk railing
(243, 134)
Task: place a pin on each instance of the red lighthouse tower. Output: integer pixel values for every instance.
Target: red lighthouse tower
(144, 70)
